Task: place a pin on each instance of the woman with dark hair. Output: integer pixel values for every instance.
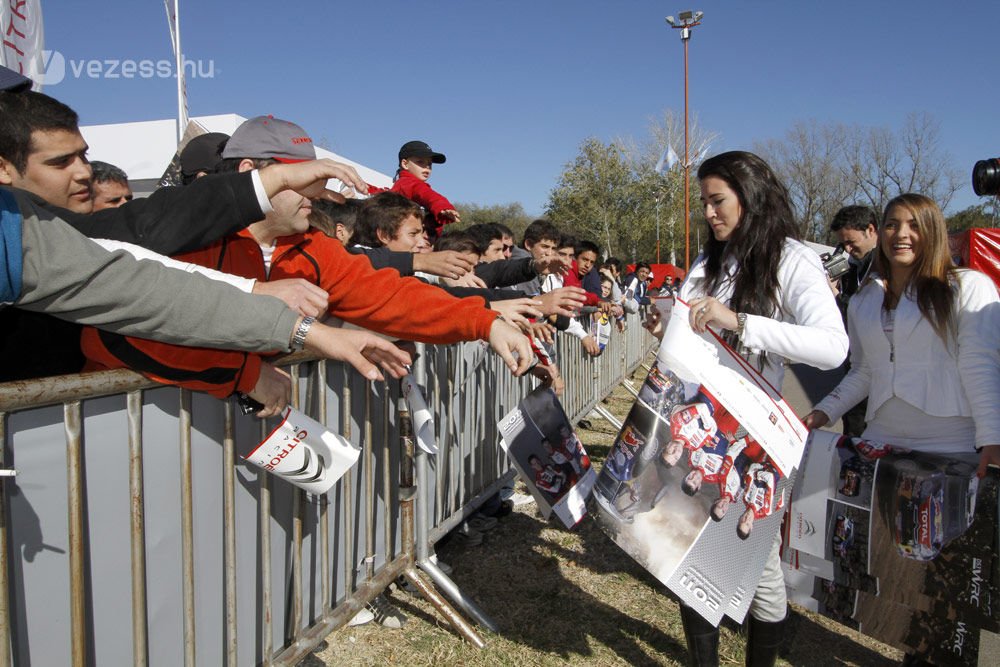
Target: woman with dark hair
(768, 294)
(924, 343)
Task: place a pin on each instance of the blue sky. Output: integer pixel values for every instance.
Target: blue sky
(508, 90)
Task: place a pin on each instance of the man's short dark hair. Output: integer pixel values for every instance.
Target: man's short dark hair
(854, 217)
(567, 241)
(105, 172)
(613, 262)
(26, 112)
(541, 229)
(326, 215)
(642, 265)
(504, 229)
(485, 233)
(585, 245)
(385, 212)
(459, 241)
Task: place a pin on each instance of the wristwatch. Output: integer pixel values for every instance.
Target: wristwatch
(741, 323)
(301, 331)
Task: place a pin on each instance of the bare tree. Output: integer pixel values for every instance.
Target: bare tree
(826, 166)
(882, 164)
(806, 161)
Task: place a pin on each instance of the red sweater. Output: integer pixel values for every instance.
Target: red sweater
(413, 188)
(378, 300)
(572, 279)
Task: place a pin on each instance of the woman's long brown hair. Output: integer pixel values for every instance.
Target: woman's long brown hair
(933, 275)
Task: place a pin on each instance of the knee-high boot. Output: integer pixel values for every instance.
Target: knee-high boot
(763, 641)
(702, 638)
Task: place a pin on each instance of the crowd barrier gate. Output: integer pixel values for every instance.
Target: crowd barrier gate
(131, 532)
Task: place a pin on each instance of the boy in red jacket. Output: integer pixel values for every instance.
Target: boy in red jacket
(416, 159)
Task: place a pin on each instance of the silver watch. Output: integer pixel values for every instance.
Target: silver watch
(741, 324)
(301, 331)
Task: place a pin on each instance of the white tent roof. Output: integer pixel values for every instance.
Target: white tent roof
(144, 149)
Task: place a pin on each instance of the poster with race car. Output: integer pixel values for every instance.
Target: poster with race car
(700, 467)
(929, 585)
(552, 461)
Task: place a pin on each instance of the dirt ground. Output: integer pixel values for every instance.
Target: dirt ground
(571, 597)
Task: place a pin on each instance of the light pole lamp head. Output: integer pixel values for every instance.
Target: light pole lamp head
(671, 22)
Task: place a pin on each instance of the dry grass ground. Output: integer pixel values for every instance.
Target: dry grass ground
(568, 597)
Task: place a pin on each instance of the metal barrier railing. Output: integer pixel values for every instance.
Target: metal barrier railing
(117, 475)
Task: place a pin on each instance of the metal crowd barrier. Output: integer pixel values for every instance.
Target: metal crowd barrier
(133, 533)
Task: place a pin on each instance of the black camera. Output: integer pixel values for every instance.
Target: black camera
(836, 262)
(986, 177)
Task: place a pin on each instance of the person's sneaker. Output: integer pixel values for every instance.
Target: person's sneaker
(482, 523)
(521, 499)
(469, 535)
(441, 565)
(506, 507)
(403, 584)
(362, 617)
(385, 613)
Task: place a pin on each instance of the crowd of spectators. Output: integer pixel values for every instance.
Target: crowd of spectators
(200, 285)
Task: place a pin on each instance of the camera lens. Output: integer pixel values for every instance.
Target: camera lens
(986, 177)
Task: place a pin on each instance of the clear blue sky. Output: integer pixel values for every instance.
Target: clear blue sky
(508, 90)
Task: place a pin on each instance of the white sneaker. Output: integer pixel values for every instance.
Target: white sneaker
(443, 566)
(521, 499)
(362, 617)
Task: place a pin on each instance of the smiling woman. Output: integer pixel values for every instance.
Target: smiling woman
(924, 344)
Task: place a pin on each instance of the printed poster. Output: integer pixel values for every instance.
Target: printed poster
(908, 545)
(552, 461)
(702, 466)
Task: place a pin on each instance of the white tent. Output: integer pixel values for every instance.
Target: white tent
(144, 149)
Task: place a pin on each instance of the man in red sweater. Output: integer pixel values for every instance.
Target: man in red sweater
(283, 245)
(416, 159)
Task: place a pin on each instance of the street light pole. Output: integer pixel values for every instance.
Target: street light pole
(685, 21)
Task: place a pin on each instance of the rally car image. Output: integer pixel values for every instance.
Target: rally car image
(843, 535)
(852, 474)
(933, 507)
(616, 489)
(662, 390)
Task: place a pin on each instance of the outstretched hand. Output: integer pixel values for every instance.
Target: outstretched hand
(563, 301)
(512, 346)
(309, 179)
(444, 263)
(300, 295)
(273, 391)
(361, 349)
(517, 311)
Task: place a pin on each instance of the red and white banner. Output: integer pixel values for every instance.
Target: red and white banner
(23, 38)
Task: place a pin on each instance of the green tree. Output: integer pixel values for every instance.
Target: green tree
(977, 215)
(613, 194)
(512, 215)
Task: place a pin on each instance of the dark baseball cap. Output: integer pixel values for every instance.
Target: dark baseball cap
(420, 149)
(12, 81)
(267, 137)
(203, 153)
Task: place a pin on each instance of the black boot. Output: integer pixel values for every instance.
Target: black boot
(763, 641)
(702, 638)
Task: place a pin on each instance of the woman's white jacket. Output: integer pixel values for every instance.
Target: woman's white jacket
(956, 377)
(807, 329)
